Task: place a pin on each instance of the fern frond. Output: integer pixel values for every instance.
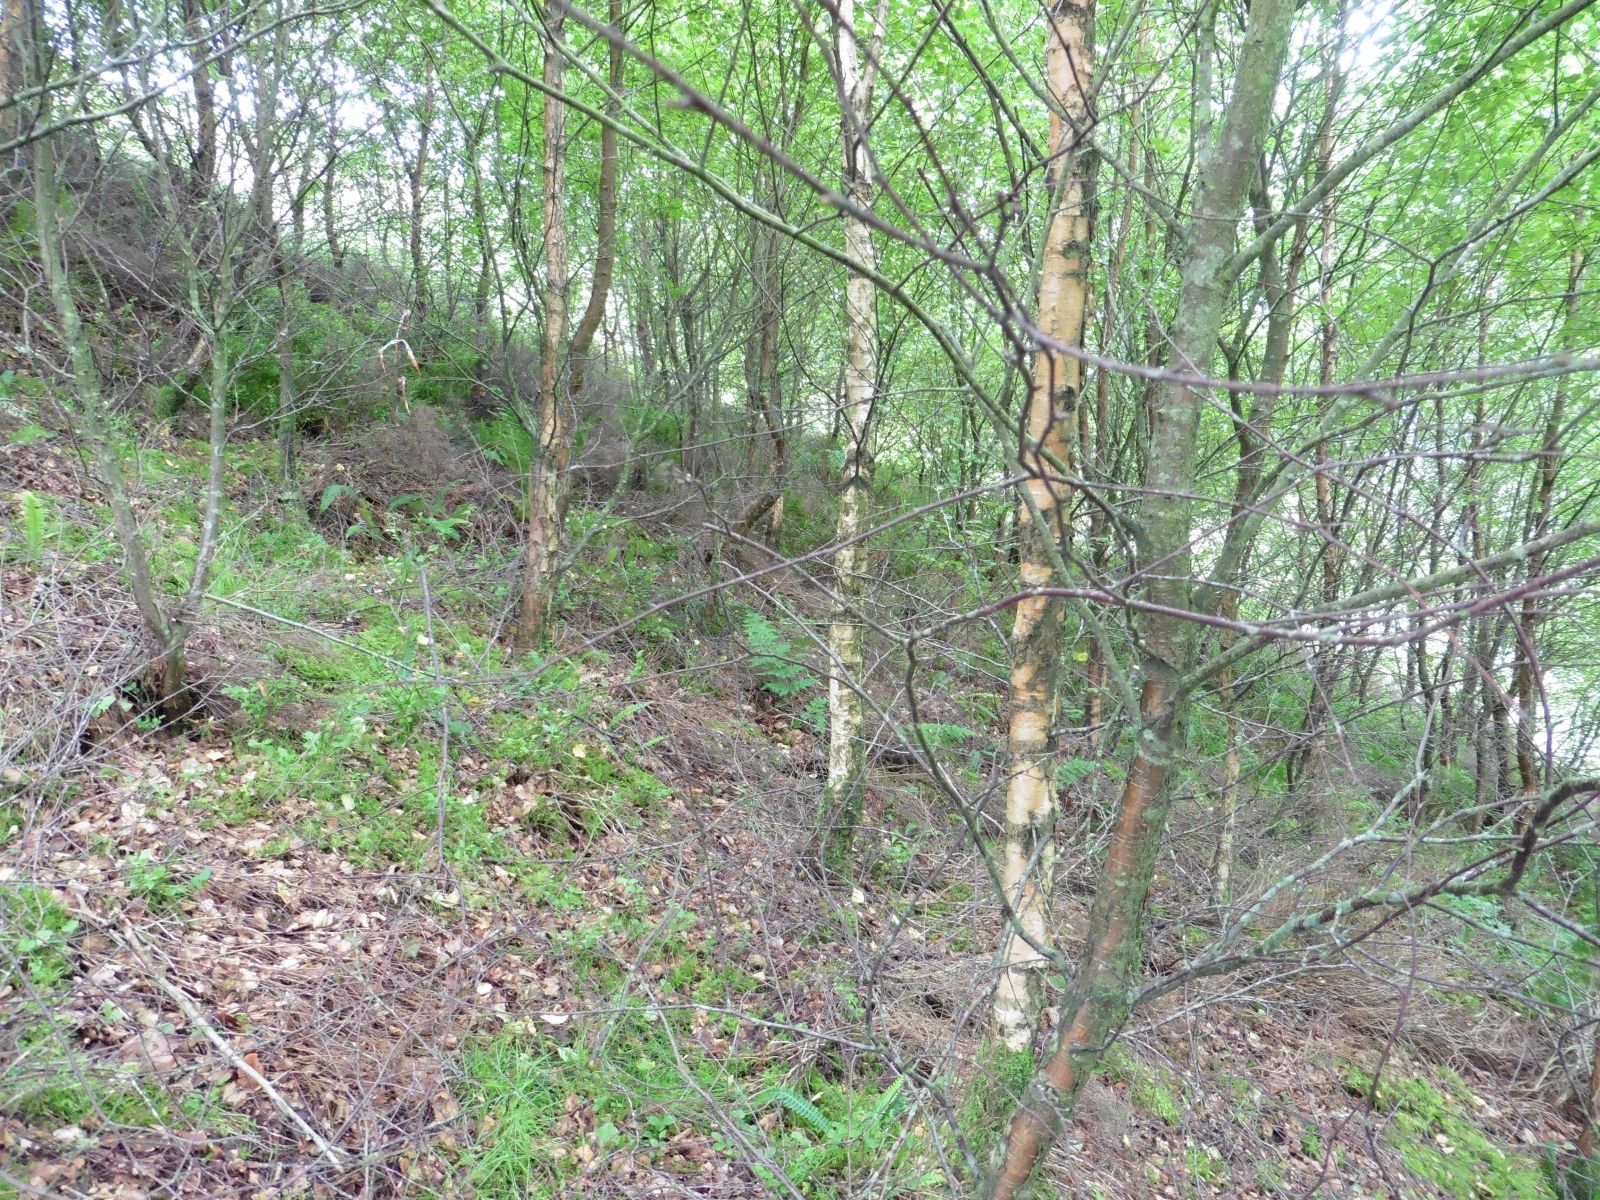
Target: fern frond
(801, 1108)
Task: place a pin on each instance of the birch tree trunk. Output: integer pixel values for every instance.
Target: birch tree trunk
(1028, 865)
(551, 447)
(1097, 1001)
(846, 745)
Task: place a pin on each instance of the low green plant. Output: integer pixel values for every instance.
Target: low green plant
(778, 663)
(943, 736)
(836, 1129)
(1150, 1089)
(504, 441)
(34, 521)
(1437, 1141)
(163, 886)
(1205, 1163)
(999, 1083)
(36, 935)
(29, 433)
(516, 1091)
(432, 515)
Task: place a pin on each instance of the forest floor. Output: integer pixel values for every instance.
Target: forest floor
(394, 915)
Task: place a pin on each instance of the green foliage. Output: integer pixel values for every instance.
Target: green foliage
(836, 1130)
(1578, 1179)
(777, 661)
(1151, 1089)
(504, 440)
(30, 432)
(1155, 1097)
(650, 428)
(36, 935)
(1204, 1162)
(943, 736)
(332, 493)
(1070, 770)
(1440, 1144)
(520, 1086)
(797, 1105)
(999, 1081)
(163, 886)
(36, 524)
(432, 516)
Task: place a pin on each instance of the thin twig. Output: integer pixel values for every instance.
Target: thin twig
(235, 1059)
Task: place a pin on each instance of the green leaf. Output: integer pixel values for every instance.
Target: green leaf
(29, 434)
(332, 492)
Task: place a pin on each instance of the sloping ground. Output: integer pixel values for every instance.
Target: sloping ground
(398, 919)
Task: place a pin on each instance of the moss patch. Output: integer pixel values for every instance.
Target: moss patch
(1440, 1144)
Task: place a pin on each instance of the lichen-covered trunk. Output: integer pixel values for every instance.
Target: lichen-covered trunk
(1097, 1000)
(1043, 517)
(552, 437)
(846, 745)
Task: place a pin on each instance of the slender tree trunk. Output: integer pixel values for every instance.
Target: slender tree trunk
(1588, 1176)
(203, 157)
(846, 743)
(1489, 751)
(416, 174)
(606, 241)
(93, 413)
(1319, 702)
(14, 38)
(330, 222)
(1589, 1139)
(1097, 1001)
(762, 368)
(1228, 799)
(286, 398)
(552, 437)
(1252, 435)
(1540, 512)
(1043, 522)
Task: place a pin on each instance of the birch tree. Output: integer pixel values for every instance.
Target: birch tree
(1044, 524)
(846, 744)
(1098, 997)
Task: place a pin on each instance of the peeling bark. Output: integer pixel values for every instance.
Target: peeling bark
(1099, 997)
(1043, 517)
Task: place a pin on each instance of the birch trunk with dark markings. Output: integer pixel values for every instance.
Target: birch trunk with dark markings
(1098, 1000)
(1043, 523)
(846, 745)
